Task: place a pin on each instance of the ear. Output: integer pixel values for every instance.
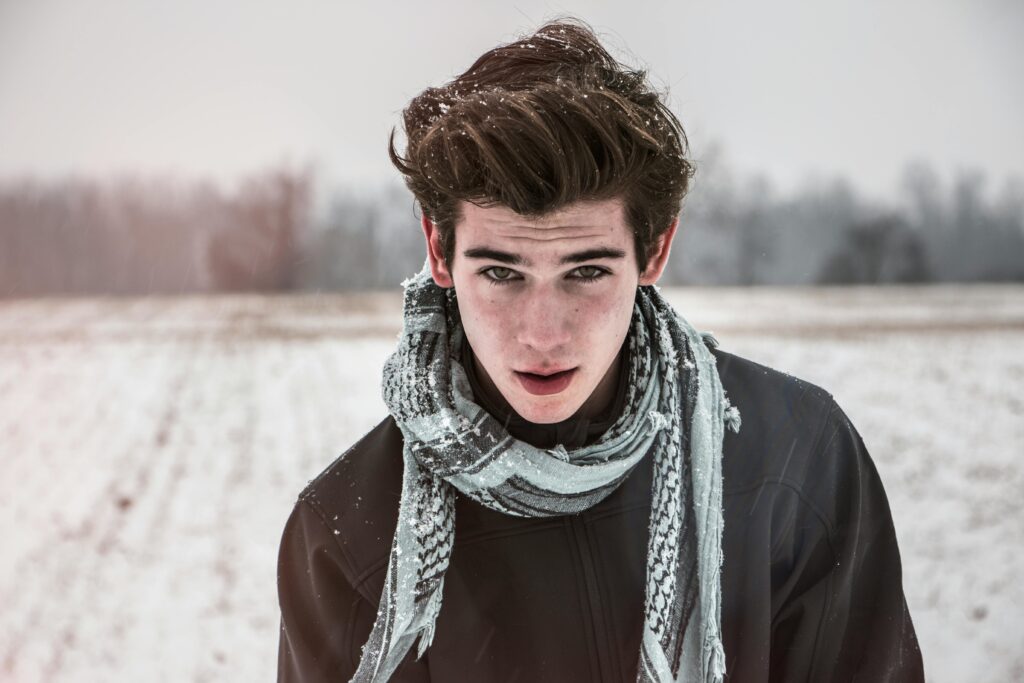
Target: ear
(438, 268)
(658, 259)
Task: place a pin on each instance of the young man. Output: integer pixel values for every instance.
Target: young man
(572, 483)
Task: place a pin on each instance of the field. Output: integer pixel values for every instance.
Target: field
(152, 449)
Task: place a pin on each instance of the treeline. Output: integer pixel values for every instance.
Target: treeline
(739, 231)
(135, 235)
(162, 236)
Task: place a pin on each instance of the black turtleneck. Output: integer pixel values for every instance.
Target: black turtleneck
(573, 432)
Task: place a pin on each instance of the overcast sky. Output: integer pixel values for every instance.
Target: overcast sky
(791, 88)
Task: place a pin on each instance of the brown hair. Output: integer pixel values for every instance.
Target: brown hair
(540, 123)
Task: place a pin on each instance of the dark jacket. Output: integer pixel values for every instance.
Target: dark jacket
(811, 577)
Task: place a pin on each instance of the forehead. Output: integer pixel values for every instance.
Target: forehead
(571, 226)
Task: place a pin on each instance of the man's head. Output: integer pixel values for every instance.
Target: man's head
(544, 149)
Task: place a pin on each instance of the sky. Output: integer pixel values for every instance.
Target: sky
(795, 89)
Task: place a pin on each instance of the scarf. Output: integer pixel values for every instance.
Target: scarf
(675, 410)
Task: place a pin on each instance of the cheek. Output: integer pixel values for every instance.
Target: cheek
(484, 318)
(604, 321)
(609, 308)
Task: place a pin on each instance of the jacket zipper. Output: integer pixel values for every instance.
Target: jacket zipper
(602, 642)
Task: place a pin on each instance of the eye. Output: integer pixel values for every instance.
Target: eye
(497, 275)
(590, 273)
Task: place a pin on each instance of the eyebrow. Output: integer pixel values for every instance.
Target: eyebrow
(517, 260)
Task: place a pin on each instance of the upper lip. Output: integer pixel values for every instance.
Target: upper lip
(544, 372)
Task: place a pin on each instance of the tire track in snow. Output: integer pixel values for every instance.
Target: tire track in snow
(74, 582)
(125, 504)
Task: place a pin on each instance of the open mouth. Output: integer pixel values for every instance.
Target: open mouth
(543, 385)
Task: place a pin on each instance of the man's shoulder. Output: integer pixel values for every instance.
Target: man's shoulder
(374, 457)
(768, 393)
(798, 450)
(357, 495)
(784, 419)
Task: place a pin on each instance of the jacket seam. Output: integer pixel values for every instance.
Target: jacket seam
(583, 593)
(823, 518)
(350, 647)
(831, 546)
(617, 665)
(826, 606)
(796, 488)
(349, 568)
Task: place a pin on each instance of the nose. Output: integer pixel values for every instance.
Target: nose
(544, 321)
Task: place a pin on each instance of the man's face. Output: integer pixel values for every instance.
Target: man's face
(546, 304)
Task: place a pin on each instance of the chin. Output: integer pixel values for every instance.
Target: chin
(540, 412)
(546, 418)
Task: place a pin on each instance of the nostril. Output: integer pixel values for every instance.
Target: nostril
(544, 336)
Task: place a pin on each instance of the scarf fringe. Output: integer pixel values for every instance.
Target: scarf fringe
(716, 663)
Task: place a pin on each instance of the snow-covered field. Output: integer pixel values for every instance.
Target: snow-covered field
(152, 449)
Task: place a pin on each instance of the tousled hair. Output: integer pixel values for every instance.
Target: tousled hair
(540, 123)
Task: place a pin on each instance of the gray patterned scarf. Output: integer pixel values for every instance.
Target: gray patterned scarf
(675, 410)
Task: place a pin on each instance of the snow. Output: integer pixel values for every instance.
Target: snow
(153, 448)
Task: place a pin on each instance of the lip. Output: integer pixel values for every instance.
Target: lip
(544, 372)
(548, 383)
